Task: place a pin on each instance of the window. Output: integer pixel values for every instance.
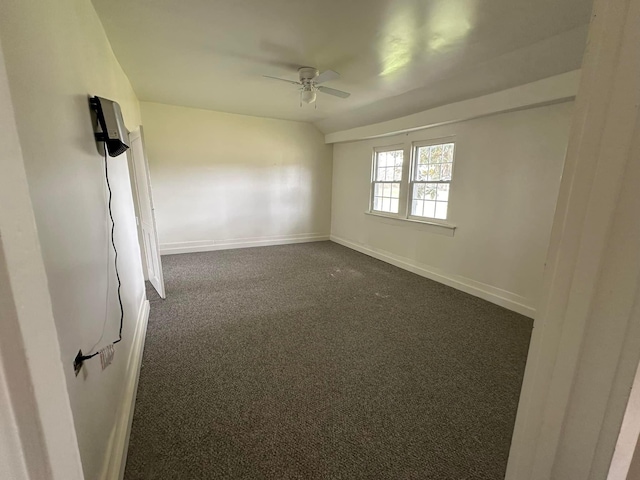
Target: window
(387, 178)
(430, 180)
(417, 191)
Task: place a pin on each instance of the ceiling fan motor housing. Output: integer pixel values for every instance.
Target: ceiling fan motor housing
(307, 74)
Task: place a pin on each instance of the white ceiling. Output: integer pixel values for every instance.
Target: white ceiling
(396, 57)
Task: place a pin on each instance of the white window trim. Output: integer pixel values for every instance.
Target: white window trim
(402, 200)
(436, 227)
(414, 147)
(404, 211)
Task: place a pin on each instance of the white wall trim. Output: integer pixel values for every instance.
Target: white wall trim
(504, 298)
(211, 245)
(119, 443)
(556, 89)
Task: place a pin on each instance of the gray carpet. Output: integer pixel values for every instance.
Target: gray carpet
(313, 361)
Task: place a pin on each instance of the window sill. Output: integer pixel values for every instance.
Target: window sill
(437, 227)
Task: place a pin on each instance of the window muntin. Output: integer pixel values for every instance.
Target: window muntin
(387, 177)
(432, 170)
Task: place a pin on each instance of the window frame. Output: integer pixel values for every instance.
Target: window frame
(402, 198)
(411, 181)
(406, 183)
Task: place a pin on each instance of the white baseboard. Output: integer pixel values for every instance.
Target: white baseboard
(504, 298)
(210, 245)
(119, 443)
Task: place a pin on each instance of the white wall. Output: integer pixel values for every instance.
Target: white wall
(506, 178)
(37, 435)
(222, 180)
(56, 55)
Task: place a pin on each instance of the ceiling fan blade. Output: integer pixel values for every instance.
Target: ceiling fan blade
(326, 76)
(333, 91)
(282, 80)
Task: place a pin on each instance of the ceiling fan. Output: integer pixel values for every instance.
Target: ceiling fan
(309, 83)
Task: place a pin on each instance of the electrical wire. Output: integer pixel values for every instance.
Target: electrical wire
(113, 243)
(106, 299)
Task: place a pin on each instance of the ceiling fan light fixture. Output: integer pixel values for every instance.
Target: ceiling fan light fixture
(308, 95)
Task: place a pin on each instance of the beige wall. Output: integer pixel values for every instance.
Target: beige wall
(56, 55)
(506, 179)
(223, 180)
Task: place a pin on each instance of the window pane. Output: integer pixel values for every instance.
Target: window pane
(423, 155)
(434, 172)
(436, 154)
(441, 210)
(398, 159)
(429, 209)
(448, 152)
(418, 191)
(416, 207)
(422, 173)
(430, 191)
(389, 174)
(445, 171)
(443, 192)
(386, 197)
(389, 166)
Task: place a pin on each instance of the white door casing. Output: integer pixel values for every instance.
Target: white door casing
(146, 219)
(585, 346)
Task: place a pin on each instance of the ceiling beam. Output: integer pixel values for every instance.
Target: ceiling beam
(556, 89)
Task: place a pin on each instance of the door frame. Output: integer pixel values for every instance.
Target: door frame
(135, 134)
(136, 207)
(585, 346)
